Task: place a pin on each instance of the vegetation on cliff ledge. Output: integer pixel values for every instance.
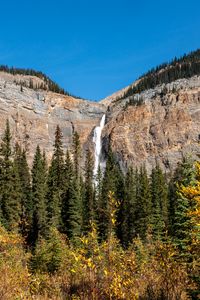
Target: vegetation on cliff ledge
(46, 84)
(183, 67)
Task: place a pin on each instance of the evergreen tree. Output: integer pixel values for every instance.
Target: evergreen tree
(56, 181)
(88, 201)
(128, 213)
(5, 149)
(143, 204)
(75, 194)
(21, 165)
(68, 192)
(75, 211)
(76, 149)
(190, 245)
(71, 208)
(10, 191)
(159, 199)
(113, 181)
(180, 221)
(39, 225)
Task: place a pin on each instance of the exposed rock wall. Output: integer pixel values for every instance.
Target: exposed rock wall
(34, 115)
(163, 129)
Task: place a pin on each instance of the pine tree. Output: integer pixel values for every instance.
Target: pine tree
(39, 225)
(76, 149)
(71, 208)
(88, 201)
(75, 212)
(128, 213)
(73, 197)
(143, 204)
(68, 192)
(56, 181)
(159, 199)
(113, 181)
(191, 195)
(5, 149)
(10, 191)
(180, 221)
(21, 164)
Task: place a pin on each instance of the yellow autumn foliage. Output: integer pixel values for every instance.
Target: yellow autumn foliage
(91, 270)
(192, 192)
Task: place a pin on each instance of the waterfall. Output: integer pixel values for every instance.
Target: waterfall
(98, 144)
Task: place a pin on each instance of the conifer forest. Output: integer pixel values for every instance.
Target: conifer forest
(121, 235)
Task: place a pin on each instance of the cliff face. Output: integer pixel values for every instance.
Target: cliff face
(163, 128)
(34, 115)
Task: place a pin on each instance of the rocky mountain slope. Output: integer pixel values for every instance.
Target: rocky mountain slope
(160, 124)
(34, 115)
(163, 127)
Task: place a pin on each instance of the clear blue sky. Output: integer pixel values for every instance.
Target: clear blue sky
(93, 48)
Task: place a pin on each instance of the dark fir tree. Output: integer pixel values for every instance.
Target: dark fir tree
(21, 165)
(68, 192)
(128, 213)
(143, 206)
(113, 181)
(180, 221)
(10, 191)
(76, 149)
(39, 218)
(75, 212)
(159, 199)
(88, 200)
(75, 201)
(56, 181)
(71, 208)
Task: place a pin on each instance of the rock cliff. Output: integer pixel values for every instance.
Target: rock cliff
(34, 115)
(161, 124)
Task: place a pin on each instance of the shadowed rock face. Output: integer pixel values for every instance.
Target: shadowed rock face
(162, 129)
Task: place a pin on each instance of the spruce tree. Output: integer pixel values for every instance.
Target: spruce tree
(39, 218)
(10, 190)
(71, 208)
(75, 212)
(75, 193)
(180, 221)
(113, 181)
(21, 165)
(159, 199)
(76, 149)
(68, 192)
(128, 213)
(56, 181)
(5, 149)
(88, 201)
(143, 204)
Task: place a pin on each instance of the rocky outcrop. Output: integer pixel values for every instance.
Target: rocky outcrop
(34, 115)
(163, 128)
(162, 124)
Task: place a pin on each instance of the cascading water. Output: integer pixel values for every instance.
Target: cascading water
(98, 144)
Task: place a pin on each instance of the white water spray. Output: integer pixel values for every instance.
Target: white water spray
(98, 144)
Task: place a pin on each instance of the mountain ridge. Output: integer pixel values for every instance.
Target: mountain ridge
(159, 124)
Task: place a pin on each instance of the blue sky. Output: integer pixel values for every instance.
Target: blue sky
(94, 48)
